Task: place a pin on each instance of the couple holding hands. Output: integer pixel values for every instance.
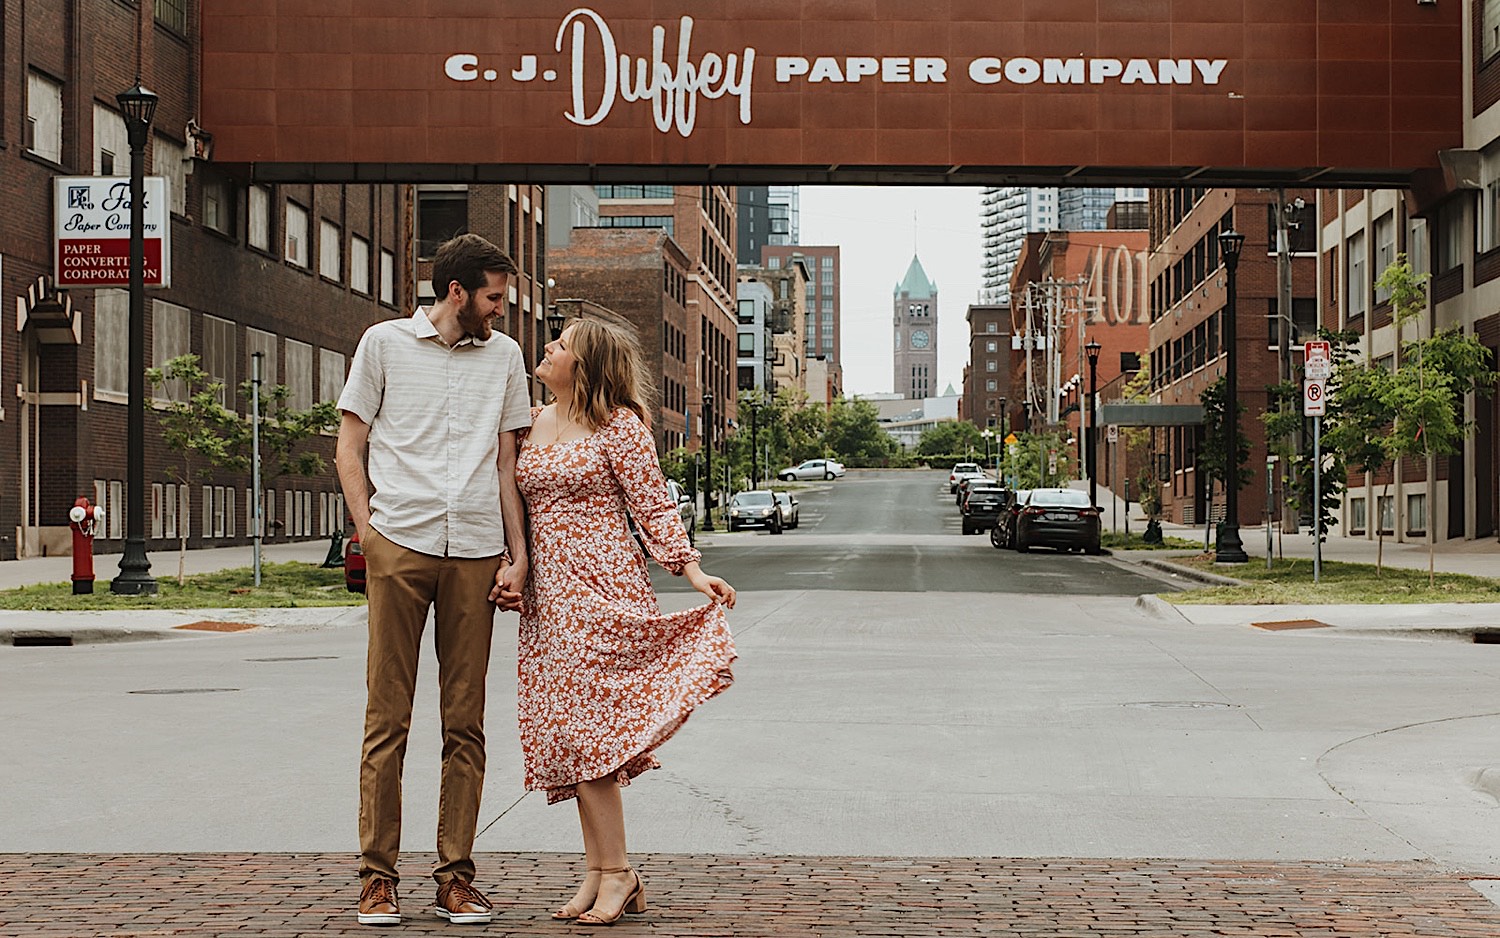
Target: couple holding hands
(468, 499)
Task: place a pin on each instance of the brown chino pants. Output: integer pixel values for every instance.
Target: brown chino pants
(400, 585)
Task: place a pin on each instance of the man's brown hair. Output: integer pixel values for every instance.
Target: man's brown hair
(466, 259)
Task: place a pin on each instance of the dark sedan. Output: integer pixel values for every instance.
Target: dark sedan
(982, 508)
(1061, 518)
(1003, 534)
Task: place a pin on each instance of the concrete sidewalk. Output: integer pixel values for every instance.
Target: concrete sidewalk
(35, 570)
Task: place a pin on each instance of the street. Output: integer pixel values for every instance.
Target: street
(902, 691)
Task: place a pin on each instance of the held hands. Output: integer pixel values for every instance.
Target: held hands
(509, 579)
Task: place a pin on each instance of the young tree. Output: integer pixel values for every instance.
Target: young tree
(284, 433)
(854, 432)
(950, 436)
(199, 429)
(1425, 394)
(1354, 431)
(1213, 462)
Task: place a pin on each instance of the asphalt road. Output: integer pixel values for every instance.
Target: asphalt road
(898, 531)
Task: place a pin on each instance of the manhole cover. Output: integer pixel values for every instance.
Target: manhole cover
(209, 625)
(298, 658)
(187, 690)
(1183, 705)
(1287, 624)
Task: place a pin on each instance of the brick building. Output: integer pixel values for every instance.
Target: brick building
(990, 390)
(701, 220)
(294, 271)
(641, 274)
(914, 318)
(1187, 351)
(823, 313)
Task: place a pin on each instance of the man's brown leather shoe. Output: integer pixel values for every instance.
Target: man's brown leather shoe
(460, 903)
(378, 904)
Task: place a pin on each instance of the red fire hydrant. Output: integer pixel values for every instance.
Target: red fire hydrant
(84, 520)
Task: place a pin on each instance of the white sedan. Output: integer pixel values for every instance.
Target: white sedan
(812, 469)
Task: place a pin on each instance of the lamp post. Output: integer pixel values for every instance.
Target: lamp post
(555, 322)
(708, 461)
(1091, 436)
(988, 435)
(754, 406)
(1003, 435)
(138, 107)
(1229, 548)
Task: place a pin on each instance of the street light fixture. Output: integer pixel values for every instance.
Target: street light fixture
(1091, 434)
(988, 435)
(555, 322)
(138, 106)
(1229, 548)
(1003, 434)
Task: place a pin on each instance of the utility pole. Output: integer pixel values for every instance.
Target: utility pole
(1284, 338)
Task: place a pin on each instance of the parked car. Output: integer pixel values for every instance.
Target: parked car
(755, 509)
(790, 513)
(1003, 534)
(812, 469)
(960, 472)
(982, 508)
(354, 564)
(686, 510)
(1061, 518)
(968, 482)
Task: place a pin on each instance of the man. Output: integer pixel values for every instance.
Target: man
(437, 399)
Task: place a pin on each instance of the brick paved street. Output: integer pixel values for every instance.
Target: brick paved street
(284, 895)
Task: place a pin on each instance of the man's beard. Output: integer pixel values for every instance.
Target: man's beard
(471, 322)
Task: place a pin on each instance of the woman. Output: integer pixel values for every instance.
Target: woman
(604, 677)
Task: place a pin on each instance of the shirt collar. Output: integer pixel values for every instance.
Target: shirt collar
(423, 328)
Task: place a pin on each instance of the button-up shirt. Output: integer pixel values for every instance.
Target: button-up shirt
(435, 414)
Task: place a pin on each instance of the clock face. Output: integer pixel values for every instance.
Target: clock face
(919, 339)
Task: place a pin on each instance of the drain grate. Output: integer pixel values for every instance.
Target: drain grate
(209, 625)
(298, 658)
(41, 641)
(1289, 624)
(187, 690)
(1487, 638)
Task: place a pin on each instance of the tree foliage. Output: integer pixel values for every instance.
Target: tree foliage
(854, 431)
(1212, 460)
(951, 436)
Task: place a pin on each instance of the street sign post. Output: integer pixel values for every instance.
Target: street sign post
(1317, 360)
(1313, 402)
(1314, 405)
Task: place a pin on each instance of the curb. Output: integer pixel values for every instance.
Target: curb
(1188, 573)
(1158, 608)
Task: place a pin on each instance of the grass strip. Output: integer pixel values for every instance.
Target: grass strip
(283, 585)
(1116, 540)
(1290, 580)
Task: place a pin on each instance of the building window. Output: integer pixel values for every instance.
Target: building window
(259, 234)
(992, 365)
(825, 262)
(1416, 514)
(442, 214)
(1357, 518)
(330, 251)
(359, 265)
(991, 384)
(1416, 246)
(114, 512)
(170, 337)
(265, 344)
(44, 117)
(1355, 254)
(218, 201)
(990, 327)
(634, 192)
(111, 341)
(296, 234)
(991, 346)
(169, 159)
(111, 145)
(330, 374)
(299, 375)
(388, 278)
(1386, 505)
(665, 222)
(1450, 238)
(773, 263)
(1489, 218)
(1489, 35)
(746, 310)
(1385, 251)
(172, 14)
(219, 355)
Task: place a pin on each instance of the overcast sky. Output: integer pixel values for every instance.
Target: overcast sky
(877, 230)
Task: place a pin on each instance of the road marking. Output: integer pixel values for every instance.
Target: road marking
(809, 573)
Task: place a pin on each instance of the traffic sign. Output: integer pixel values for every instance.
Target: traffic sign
(1317, 360)
(1011, 439)
(1113, 434)
(1313, 403)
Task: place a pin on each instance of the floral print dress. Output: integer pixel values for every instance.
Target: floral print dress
(604, 678)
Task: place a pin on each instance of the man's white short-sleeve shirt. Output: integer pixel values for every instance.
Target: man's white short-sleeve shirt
(435, 415)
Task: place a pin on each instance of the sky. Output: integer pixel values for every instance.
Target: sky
(877, 229)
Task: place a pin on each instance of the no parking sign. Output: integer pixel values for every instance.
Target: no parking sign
(1313, 403)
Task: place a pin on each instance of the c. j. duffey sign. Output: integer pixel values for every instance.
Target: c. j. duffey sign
(601, 75)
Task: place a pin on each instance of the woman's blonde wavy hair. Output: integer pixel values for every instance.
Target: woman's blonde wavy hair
(608, 372)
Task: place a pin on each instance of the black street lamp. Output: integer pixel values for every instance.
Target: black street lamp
(1091, 433)
(555, 322)
(1229, 548)
(755, 406)
(138, 106)
(708, 461)
(1001, 437)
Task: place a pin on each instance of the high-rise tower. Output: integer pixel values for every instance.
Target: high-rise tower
(915, 312)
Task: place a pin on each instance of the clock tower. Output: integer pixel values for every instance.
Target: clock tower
(915, 319)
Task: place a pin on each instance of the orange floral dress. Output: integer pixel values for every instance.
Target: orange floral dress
(604, 678)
